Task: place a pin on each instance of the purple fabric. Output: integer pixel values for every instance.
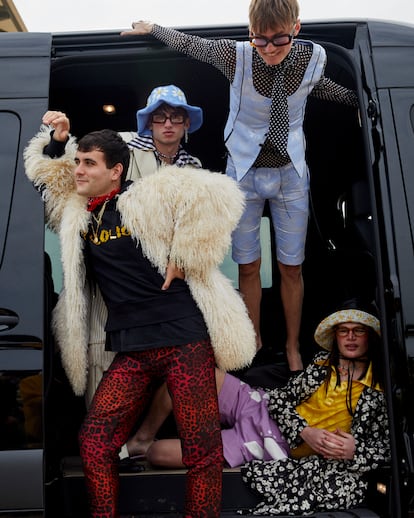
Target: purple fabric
(248, 431)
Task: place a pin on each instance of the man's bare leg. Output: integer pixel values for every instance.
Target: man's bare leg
(251, 289)
(164, 452)
(291, 290)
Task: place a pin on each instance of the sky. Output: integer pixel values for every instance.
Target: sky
(86, 15)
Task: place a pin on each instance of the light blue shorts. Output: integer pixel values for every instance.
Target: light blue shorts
(288, 196)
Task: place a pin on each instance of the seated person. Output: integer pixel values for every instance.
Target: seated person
(248, 432)
(333, 416)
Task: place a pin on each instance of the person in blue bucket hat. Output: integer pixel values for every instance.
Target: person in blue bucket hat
(163, 124)
(174, 97)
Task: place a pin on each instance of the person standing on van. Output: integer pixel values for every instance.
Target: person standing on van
(164, 122)
(134, 240)
(271, 77)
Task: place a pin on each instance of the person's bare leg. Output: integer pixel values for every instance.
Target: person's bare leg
(160, 408)
(219, 379)
(142, 442)
(251, 289)
(167, 453)
(291, 290)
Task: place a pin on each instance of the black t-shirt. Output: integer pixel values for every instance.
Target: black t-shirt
(140, 314)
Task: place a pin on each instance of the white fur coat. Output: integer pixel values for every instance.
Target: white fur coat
(178, 215)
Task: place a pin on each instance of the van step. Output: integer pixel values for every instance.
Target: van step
(141, 497)
(140, 490)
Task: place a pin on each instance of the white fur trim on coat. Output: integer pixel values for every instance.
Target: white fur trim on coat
(192, 228)
(178, 216)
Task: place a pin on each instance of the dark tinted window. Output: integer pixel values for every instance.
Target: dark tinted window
(9, 138)
(20, 410)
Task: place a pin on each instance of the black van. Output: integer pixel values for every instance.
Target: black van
(360, 239)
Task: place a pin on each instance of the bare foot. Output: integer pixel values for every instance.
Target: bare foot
(294, 358)
(138, 447)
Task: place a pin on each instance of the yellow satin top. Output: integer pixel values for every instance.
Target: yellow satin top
(328, 410)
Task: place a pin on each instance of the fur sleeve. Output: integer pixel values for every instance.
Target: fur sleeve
(210, 205)
(185, 216)
(52, 176)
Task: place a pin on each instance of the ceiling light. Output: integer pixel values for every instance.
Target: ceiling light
(109, 109)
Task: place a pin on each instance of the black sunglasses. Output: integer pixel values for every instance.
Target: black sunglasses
(277, 41)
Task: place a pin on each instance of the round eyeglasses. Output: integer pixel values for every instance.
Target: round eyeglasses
(277, 41)
(356, 331)
(174, 118)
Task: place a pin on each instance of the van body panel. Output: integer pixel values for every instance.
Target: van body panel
(24, 92)
(21, 287)
(21, 469)
(392, 54)
(26, 58)
(397, 182)
(388, 78)
(390, 34)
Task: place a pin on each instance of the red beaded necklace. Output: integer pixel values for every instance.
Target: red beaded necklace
(95, 201)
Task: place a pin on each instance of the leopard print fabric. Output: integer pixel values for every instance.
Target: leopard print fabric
(120, 399)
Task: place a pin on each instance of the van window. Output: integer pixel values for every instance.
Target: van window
(52, 247)
(228, 266)
(230, 269)
(9, 138)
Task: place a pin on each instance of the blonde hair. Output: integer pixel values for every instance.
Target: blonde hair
(267, 14)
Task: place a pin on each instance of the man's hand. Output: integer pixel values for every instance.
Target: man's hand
(173, 272)
(139, 28)
(59, 122)
(331, 445)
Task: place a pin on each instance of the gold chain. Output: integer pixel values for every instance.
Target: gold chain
(98, 221)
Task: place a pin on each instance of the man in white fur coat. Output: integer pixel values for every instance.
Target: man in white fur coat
(136, 241)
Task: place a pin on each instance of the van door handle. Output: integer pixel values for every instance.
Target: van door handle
(8, 319)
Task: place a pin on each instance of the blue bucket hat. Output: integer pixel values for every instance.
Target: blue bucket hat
(173, 96)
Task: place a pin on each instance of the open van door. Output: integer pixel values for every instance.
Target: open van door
(388, 79)
(24, 91)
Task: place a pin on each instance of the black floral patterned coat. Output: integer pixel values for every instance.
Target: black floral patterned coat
(309, 484)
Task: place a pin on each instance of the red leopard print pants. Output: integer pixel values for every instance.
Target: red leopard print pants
(122, 396)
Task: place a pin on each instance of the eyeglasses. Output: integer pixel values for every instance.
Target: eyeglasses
(174, 118)
(278, 41)
(356, 331)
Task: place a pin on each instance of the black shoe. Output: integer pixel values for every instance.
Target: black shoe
(130, 465)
